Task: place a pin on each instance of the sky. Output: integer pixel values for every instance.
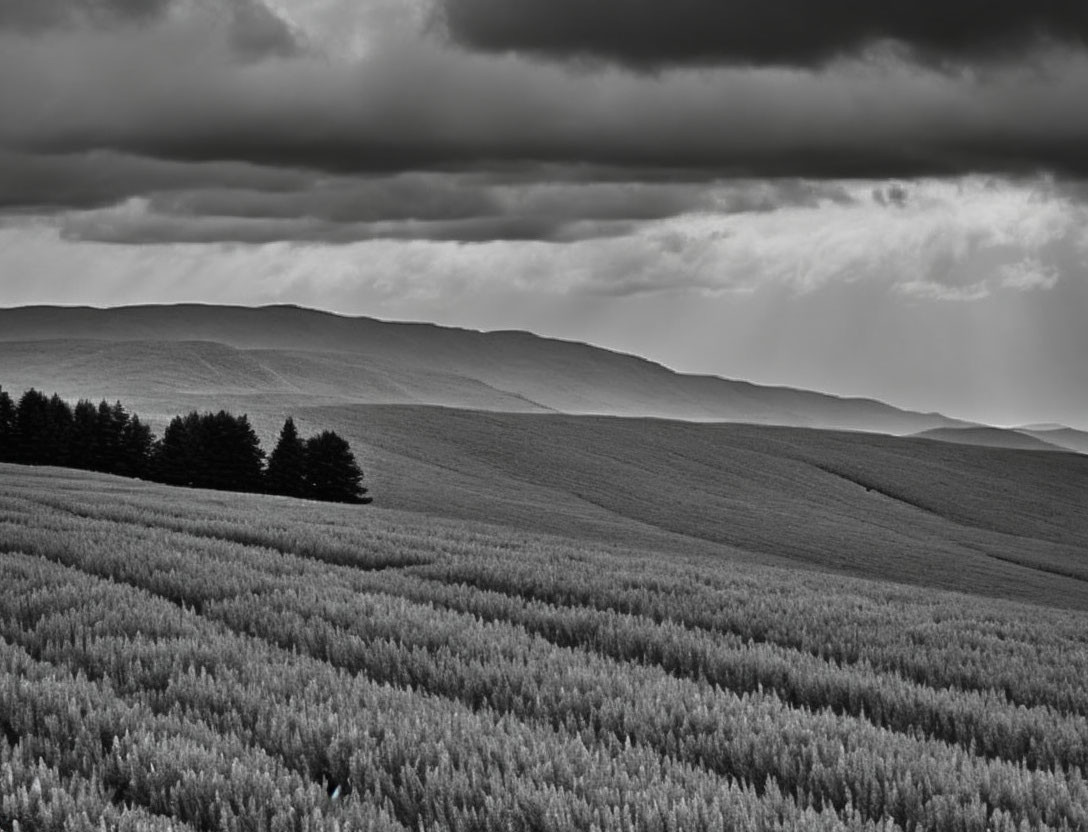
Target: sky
(877, 199)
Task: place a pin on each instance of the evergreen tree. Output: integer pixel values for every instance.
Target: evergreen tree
(31, 429)
(178, 455)
(211, 450)
(109, 433)
(137, 442)
(83, 449)
(331, 470)
(233, 455)
(58, 425)
(286, 474)
(7, 427)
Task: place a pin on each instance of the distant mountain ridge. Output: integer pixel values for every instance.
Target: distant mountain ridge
(287, 354)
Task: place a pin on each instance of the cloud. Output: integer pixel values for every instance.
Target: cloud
(36, 183)
(254, 30)
(929, 290)
(172, 131)
(973, 241)
(1029, 274)
(133, 223)
(144, 201)
(649, 34)
(962, 241)
(37, 15)
(178, 91)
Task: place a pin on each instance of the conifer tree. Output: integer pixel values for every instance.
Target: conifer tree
(58, 432)
(211, 450)
(177, 455)
(331, 470)
(83, 450)
(7, 426)
(31, 428)
(109, 431)
(286, 474)
(137, 442)
(233, 453)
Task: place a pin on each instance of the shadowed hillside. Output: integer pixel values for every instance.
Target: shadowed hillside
(302, 355)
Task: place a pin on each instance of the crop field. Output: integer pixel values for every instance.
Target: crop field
(188, 660)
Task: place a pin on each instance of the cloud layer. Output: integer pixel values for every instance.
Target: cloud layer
(650, 34)
(327, 122)
(185, 87)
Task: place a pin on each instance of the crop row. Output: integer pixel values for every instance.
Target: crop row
(820, 758)
(146, 696)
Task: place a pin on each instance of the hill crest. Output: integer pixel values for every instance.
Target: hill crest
(292, 351)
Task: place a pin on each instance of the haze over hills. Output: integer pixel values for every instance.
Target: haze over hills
(1060, 439)
(156, 356)
(990, 437)
(1073, 440)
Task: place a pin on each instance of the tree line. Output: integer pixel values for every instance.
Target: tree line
(199, 450)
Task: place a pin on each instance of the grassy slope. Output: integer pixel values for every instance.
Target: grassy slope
(164, 652)
(988, 521)
(421, 363)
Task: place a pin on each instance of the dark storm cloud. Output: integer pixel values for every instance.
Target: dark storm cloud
(160, 133)
(417, 106)
(443, 207)
(40, 183)
(655, 33)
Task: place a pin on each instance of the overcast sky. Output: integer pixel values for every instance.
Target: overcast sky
(884, 199)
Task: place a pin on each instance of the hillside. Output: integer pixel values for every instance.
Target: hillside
(212, 662)
(291, 355)
(1068, 438)
(1004, 523)
(991, 438)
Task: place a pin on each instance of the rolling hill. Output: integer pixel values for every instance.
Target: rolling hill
(177, 659)
(1073, 440)
(157, 356)
(994, 522)
(991, 438)
(1003, 522)
(1049, 438)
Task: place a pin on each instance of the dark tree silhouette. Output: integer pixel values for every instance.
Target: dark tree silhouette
(331, 470)
(233, 456)
(137, 442)
(211, 450)
(31, 428)
(7, 426)
(178, 455)
(110, 424)
(58, 424)
(286, 474)
(83, 449)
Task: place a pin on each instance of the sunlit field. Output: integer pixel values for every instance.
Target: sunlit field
(176, 659)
